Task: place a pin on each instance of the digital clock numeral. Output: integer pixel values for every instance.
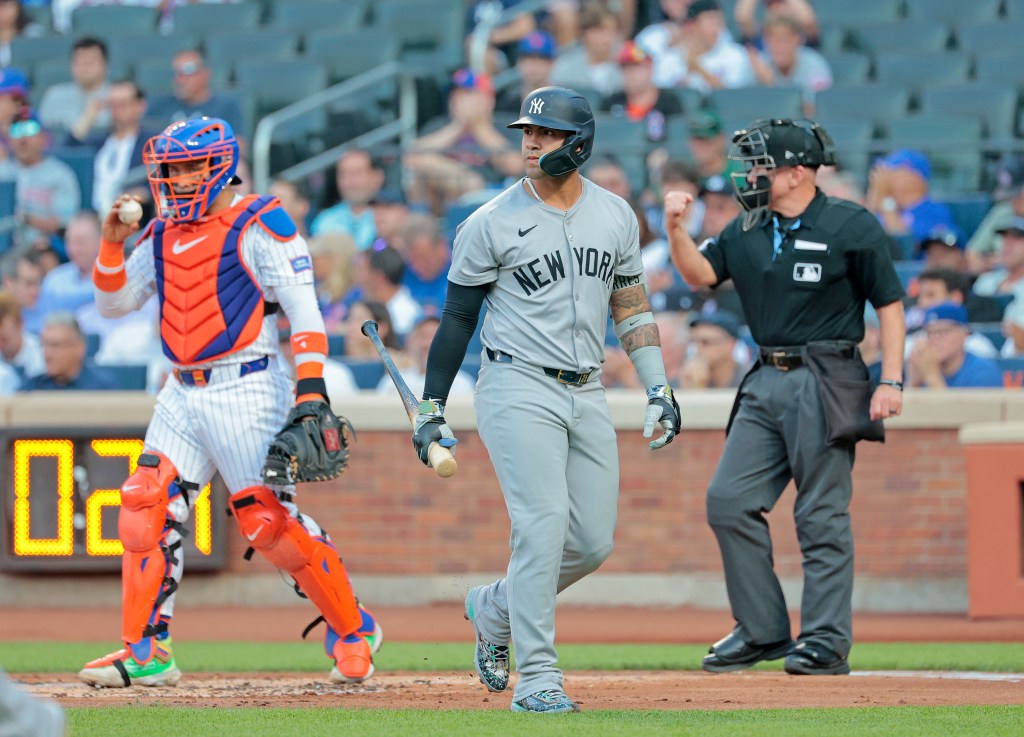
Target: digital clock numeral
(95, 544)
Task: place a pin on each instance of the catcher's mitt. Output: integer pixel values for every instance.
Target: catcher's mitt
(312, 446)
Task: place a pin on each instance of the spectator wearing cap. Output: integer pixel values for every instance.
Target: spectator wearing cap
(417, 346)
(358, 177)
(899, 194)
(936, 285)
(428, 257)
(79, 107)
(1008, 276)
(704, 60)
(983, 247)
(1013, 329)
(943, 247)
(467, 152)
(294, 197)
(536, 59)
(708, 144)
(787, 60)
(940, 360)
(47, 194)
(640, 100)
(713, 364)
(14, 92)
(720, 206)
(593, 65)
(798, 11)
(390, 215)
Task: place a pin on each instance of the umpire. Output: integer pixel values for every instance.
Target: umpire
(804, 265)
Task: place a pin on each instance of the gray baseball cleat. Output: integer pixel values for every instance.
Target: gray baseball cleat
(546, 702)
(490, 660)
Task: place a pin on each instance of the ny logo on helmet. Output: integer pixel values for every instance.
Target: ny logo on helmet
(537, 106)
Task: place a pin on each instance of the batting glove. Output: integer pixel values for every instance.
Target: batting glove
(662, 409)
(430, 427)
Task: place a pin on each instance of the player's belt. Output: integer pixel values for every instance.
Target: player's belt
(573, 378)
(201, 377)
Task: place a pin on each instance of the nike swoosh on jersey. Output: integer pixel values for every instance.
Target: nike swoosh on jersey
(255, 532)
(524, 232)
(180, 247)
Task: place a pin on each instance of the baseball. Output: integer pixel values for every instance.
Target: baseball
(129, 212)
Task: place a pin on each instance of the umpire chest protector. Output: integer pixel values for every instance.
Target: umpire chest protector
(210, 302)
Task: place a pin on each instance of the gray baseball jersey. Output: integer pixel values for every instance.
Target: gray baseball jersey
(553, 272)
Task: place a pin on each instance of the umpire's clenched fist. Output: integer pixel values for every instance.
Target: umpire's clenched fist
(677, 205)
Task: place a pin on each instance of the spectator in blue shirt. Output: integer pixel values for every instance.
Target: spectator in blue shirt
(899, 194)
(428, 258)
(64, 354)
(69, 286)
(359, 178)
(941, 360)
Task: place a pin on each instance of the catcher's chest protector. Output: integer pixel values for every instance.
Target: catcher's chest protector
(210, 304)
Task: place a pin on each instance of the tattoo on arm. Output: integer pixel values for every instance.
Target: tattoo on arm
(642, 336)
(626, 303)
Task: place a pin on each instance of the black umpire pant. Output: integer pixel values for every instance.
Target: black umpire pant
(779, 433)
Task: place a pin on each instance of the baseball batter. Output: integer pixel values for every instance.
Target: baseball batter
(549, 256)
(221, 265)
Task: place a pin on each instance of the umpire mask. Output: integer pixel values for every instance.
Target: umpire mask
(769, 145)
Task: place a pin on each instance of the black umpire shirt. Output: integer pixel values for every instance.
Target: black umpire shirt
(812, 282)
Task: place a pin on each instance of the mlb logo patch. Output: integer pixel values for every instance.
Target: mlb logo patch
(302, 263)
(807, 272)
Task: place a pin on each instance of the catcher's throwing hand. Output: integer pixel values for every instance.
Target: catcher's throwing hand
(662, 409)
(113, 229)
(430, 427)
(312, 446)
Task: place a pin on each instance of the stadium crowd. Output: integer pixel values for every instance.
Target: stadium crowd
(665, 77)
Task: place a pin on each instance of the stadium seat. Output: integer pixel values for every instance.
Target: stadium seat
(969, 210)
(81, 161)
(366, 373)
(999, 67)
(954, 12)
(746, 104)
(908, 270)
(852, 139)
(986, 38)
(26, 52)
(275, 84)
(107, 21)
(916, 70)
(6, 213)
(853, 14)
(300, 16)
(127, 377)
(48, 73)
(201, 18)
(952, 143)
(335, 345)
(127, 51)
(912, 36)
(677, 140)
(227, 49)
(434, 24)
(92, 344)
(41, 15)
(348, 53)
(995, 105)
(1013, 372)
(849, 67)
(991, 330)
(156, 76)
(878, 103)
(1014, 9)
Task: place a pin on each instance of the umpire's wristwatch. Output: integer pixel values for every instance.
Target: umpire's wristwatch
(897, 385)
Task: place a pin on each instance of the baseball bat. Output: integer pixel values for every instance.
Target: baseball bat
(441, 458)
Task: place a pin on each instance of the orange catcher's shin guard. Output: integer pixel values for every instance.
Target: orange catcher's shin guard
(315, 565)
(146, 565)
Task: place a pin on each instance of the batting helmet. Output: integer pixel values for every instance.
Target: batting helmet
(773, 144)
(560, 109)
(210, 142)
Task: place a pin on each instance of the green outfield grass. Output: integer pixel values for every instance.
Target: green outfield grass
(964, 721)
(308, 657)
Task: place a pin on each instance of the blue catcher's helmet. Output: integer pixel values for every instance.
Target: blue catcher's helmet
(188, 195)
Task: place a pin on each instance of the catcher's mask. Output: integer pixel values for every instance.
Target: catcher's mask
(210, 141)
(560, 109)
(774, 144)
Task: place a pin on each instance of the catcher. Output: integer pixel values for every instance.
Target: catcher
(221, 266)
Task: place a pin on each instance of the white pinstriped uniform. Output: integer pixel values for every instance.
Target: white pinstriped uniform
(228, 424)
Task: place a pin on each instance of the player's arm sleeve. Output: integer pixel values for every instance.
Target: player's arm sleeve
(309, 338)
(123, 287)
(458, 322)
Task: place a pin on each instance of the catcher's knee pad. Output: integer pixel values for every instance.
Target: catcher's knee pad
(146, 565)
(312, 562)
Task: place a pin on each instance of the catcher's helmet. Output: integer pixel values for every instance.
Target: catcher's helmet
(208, 140)
(774, 144)
(560, 109)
